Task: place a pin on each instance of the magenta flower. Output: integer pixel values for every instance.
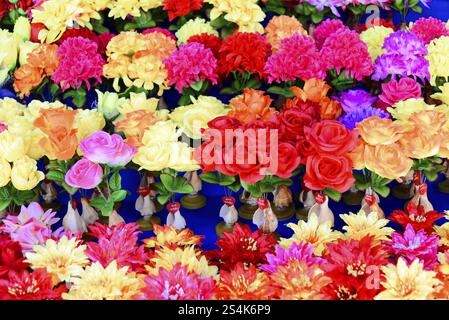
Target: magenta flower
(102, 147)
(191, 63)
(396, 91)
(297, 58)
(414, 245)
(84, 174)
(325, 29)
(3, 126)
(177, 284)
(302, 252)
(79, 62)
(428, 29)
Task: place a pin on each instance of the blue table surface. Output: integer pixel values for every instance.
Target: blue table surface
(203, 221)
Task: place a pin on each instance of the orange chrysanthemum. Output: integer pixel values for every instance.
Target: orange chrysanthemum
(251, 105)
(244, 284)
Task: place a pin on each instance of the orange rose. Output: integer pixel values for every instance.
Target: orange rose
(330, 109)
(420, 144)
(44, 57)
(26, 78)
(134, 124)
(430, 121)
(358, 155)
(251, 105)
(314, 90)
(375, 131)
(444, 148)
(388, 161)
(55, 118)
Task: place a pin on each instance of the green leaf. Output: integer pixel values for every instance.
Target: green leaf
(4, 204)
(115, 182)
(333, 194)
(235, 186)
(286, 92)
(184, 100)
(431, 175)
(118, 195)
(98, 202)
(384, 191)
(209, 177)
(197, 85)
(254, 189)
(106, 210)
(56, 176)
(168, 181)
(228, 90)
(163, 198)
(253, 84)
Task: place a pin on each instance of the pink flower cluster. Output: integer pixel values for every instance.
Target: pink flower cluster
(428, 29)
(79, 62)
(298, 57)
(325, 29)
(191, 63)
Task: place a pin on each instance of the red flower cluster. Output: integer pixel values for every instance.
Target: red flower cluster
(243, 51)
(328, 166)
(210, 41)
(180, 8)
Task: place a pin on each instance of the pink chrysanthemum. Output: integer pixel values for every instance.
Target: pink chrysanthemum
(79, 62)
(118, 243)
(191, 63)
(177, 284)
(325, 29)
(302, 252)
(343, 50)
(298, 57)
(414, 245)
(428, 29)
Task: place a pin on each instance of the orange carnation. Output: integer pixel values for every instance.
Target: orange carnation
(251, 105)
(134, 124)
(281, 27)
(388, 161)
(44, 57)
(26, 78)
(375, 130)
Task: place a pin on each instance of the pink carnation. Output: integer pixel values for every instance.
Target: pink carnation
(325, 29)
(428, 29)
(191, 63)
(396, 91)
(79, 62)
(298, 57)
(343, 50)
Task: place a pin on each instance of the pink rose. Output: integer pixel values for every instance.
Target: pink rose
(396, 91)
(84, 174)
(101, 147)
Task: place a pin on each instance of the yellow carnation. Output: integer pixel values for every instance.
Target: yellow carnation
(374, 38)
(443, 96)
(194, 27)
(438, 59)
(404, 109)
(5, 172)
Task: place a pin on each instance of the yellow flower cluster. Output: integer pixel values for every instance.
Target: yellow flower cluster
(194, 117)
(58, 15)
(161, 149)
(194, 27)
(438, 59)
(245, 13)
(137, 59)
(374, 38)
(124, 8)
(361, 225)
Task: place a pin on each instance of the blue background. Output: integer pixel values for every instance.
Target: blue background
(203, 221)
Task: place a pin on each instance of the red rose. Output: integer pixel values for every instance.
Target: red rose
(224, 122)
(287, 161)
(331, 137)
(304, 148)
(329, 171)
(292, 123)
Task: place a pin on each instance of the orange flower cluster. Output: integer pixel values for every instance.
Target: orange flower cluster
(134, 124)
(251, 105)
(41, 62)
(315, 92)
(57, 124)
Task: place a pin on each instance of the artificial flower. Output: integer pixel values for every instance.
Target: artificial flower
(84, 174)
(167, 236)
(25, 175)
(251, 105)
(360, 225)
(374, 38)
(428, 29)
(194, 27)
(417, 217)
(437, 58)
(282, 27)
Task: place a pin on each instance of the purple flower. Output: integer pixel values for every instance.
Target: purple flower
(349, 120)
(353, 100)
(404, 56)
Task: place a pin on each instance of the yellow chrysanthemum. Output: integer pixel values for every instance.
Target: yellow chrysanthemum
(443, 96)
(374, 38)
(58, 15)
(123, 8)
(443, 233)
(360, 225)
(402, 110)
(438, 58)
(246, 14)
(167, 258)
(99, 283)
(194, 27)
(404, 282)
(312, 232)
(62, 259)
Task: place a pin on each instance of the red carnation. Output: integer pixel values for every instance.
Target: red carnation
(210, 41)
(243, 52)
(180, 8)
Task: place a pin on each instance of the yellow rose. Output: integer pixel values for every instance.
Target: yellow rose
(24, 174)
(12, 146)
(181, 157)
(138, 101)
(10, 109)
(8, 50)
(5, 172)
(24, 49)
(375, 130)
(153, 157)
(108, 103)
(402, 110)
(162, 131)
(87, 122)
(35, 151)
(443, 96)
(22, 29)
(388, 161)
